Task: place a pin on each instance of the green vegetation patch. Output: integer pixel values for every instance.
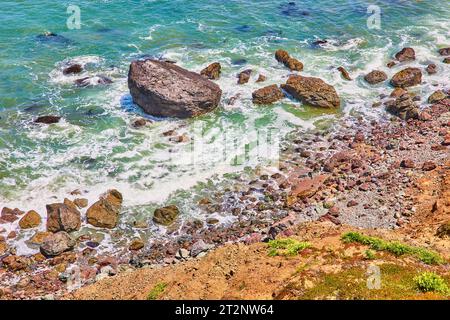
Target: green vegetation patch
(397, 248)
(157, 291)
(286, 247)
(396, 283)
(431, 282)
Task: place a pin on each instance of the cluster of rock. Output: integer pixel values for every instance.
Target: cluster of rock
(66, 218)
(166, 90)
(402, 103)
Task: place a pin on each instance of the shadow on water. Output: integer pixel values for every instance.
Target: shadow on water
(127, 104)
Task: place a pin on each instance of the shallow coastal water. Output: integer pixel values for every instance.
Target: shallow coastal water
(95, 148)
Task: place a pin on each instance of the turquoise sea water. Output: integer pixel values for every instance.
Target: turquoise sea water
(95, 148)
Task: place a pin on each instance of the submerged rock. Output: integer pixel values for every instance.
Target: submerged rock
(93, 81)
(407, 78)
(73, 69)
(292, 63)
(267, 95)
(50, 37)
(141, 122)
(30, 220)
(61, 217)
(56, 244)
(166, 90)
(47, 119)
(375, 76)
(312, 91)
(166, 215)
(212, 71)
(105, 212)
(431, 68)
(406, 54)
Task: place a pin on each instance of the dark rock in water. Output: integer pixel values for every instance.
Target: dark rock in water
(50, 37)
(273, 33)
(403, 107)
(261, 78)
(141, 122)
(93, 81)
(375, 76)
(104, 30)
(390, 64)
(344, 73)
(319, 42)
(312, 91)
(267, 95)
(244, 76)
(431, 68)
(167, 90)
(446, 60)
(291, 9)
(291, 63)
(166, 216)
(239, 62)
(47, 119)
(444, 51)
(73, 69)
(212, 71)
(244, 28)
(406, 54)
(407, 78)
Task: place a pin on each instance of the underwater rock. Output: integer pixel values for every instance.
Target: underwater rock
(47, 119)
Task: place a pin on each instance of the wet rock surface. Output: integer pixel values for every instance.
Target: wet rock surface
(312, 91)
(105, 212)
(267, 95)
(167, 90)
(407, 78)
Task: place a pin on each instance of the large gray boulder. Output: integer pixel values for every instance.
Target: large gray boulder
(166, 90)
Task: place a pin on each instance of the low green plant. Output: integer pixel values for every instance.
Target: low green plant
(370, 255)
(286, 247)
(431, 282)
(397, 248)
(157, 290)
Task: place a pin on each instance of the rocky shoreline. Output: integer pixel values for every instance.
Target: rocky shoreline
(359, 173)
